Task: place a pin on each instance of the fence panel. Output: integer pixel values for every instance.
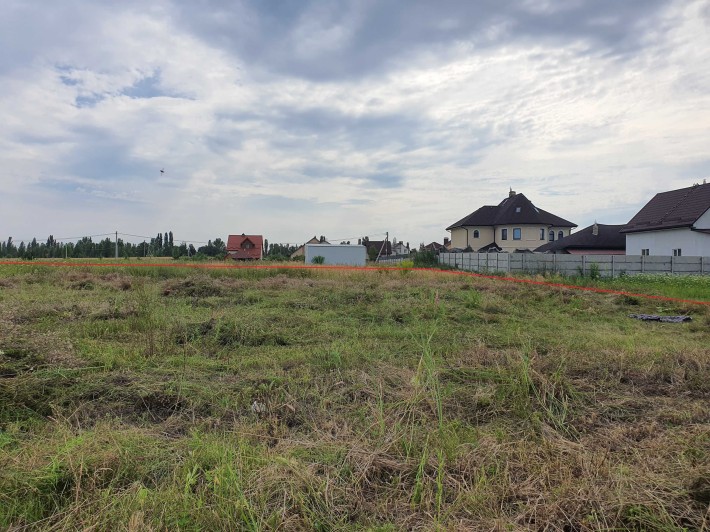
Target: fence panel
(571, 265)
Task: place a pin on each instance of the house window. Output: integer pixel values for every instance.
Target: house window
(504, 234)
(517, 209)
(517, 233)
(476, 233)
(542, 233)
(247, 245)
(676, 252)
(552, 236)
(644, 252)
(560, 235)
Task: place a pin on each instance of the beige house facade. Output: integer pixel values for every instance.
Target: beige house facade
(513, 225)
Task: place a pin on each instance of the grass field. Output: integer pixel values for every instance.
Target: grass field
(161, 398)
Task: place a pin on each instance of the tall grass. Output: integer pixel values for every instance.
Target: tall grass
(334, 400)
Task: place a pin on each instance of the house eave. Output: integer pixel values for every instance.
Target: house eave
(657, 228)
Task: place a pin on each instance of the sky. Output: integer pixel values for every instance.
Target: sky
(299, 118)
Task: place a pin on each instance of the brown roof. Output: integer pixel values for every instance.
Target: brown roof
(608, 237)
(435, 246)
(378, 247)
(668, 210)
(236, 250)
(516, 209)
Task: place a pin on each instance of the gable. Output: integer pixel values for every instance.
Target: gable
(237, 242)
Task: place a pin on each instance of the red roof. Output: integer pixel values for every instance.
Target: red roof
(245, 246)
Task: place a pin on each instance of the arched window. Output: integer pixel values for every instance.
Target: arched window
(475, 233)
(560, 234)
(552, 236)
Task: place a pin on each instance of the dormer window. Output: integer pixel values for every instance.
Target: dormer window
(517, 209)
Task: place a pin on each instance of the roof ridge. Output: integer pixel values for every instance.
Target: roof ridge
(690, 189)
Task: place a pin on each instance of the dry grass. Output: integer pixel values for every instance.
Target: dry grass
(150, 400)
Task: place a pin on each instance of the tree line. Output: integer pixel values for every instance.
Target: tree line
(162, 245)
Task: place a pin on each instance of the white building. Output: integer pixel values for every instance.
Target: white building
(674, 223)
(342, 254)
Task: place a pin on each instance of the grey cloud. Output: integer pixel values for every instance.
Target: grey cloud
(297, 128)
(379, 36)
(100, 157)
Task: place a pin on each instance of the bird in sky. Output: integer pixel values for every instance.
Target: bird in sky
(162, 171)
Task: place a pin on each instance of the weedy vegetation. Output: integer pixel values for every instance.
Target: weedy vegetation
(162, 398)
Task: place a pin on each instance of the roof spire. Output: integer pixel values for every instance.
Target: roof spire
(511, 193)
(595, 229)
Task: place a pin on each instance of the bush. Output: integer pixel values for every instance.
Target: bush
(425, 259)
(318, 259)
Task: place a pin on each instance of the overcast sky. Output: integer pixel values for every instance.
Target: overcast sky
(299, 118)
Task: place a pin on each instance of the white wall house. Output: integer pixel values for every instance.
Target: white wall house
(341, 254)
(674, 223)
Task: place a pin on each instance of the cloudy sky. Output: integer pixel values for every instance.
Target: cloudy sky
(295, 118)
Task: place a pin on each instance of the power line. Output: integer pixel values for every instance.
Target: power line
(83, 236)
(359, 236)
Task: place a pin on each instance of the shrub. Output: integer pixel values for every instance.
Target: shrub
(425, 259)
(318, 259)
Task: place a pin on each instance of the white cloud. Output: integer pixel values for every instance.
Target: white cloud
(583, 133)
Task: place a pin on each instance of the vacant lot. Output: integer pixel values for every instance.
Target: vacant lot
(150, 399)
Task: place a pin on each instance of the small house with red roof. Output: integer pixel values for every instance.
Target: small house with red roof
(245, 247)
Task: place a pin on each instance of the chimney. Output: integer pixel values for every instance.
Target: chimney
(511, 193)
(446, 241)
(595, 229)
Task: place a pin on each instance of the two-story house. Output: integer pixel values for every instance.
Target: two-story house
(515, 224)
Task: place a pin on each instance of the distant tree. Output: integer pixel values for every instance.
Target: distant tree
(220, 246)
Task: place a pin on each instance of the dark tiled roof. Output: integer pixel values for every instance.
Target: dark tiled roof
(436, 247)
(675, 208)
(512, 210)
(377, 246)
(489, 247)
(608, 237)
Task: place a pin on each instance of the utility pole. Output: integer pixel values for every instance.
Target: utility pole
(384, 245)
(116, 244)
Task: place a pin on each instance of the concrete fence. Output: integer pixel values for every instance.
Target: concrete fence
(605, 265)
